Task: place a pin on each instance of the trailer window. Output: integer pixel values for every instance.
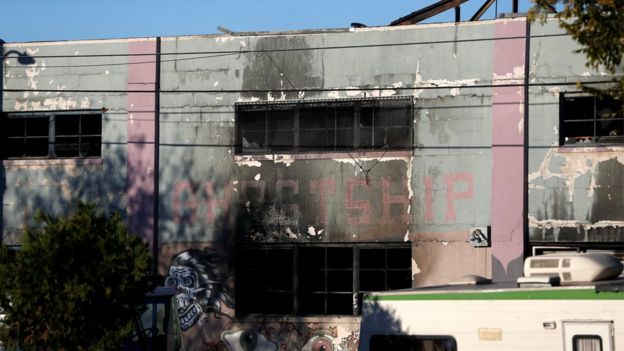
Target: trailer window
(412, 343)
(587, 343)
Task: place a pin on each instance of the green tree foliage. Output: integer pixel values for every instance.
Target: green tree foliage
(598, 26)
(76, 284)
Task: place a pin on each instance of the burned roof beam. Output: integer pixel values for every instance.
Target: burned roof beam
(486, 5)
(427, 12)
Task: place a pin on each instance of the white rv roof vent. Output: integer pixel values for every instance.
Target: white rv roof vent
(574, 267)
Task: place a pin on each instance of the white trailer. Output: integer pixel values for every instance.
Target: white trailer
(569, 316)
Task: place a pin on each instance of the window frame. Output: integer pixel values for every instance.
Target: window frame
(565, 121)
(298, 286)
(576, 338)
(357, 129)
(53, 149)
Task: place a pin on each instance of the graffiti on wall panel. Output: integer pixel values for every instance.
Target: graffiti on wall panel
(289, 209)
(206, 314)
(203, 290)
(577, 195)
(293, 209)
(458, 186)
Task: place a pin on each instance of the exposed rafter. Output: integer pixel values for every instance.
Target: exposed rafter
(427, 12)
(486, 5)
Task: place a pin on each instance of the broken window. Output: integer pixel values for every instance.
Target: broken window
(324, 125)
(587, 119)
(66, 134)
(317, 279)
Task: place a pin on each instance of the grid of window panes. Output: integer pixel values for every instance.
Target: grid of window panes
(325, 125)
(52, 135)
(587, 119)
(316, 279)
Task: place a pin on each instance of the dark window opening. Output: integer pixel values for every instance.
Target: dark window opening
(64, 134)
(332, 125)
(412, 343)
(586, 343)
(587, 119)
(316, 279)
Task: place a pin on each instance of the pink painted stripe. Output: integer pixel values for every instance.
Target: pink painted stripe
(141, 139)
(508, 145)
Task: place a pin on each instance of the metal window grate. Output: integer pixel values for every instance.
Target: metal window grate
(325, 125)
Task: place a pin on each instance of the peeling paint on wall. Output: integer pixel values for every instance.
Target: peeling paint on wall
(570, 164)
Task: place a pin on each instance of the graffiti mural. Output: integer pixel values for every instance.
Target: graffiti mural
(202, 290)
(206, 314)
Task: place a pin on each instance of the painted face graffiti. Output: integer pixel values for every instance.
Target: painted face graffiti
(201, 288)
(248, 340)
(184, 279)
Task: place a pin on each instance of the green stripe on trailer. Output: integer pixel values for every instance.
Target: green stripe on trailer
(551, 294)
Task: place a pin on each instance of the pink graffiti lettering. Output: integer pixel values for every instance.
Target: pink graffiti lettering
(451, 195)
(215, 203)
(280, 185)
(389, 200)
(362, 207)
(184, 202)
(322, 187)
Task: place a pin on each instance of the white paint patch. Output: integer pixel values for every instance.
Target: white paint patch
(333, 94)
(60, 103)
(586, 74)
(301, 94)
(257, 177)
(406, 238)
(216, 83)
(384, 159)
(225, 39)
(419, 82)
(285, 159)
(521, 124)
(248, 161)
(311, 231)
(454, 92)
(576, 162)
(235, 182)
(290, 233)
(415, 269)
(557, 223)
(515, 77)
(321, 231)
(555, 91)
(556, 130)
(106, 72)
(85, 103)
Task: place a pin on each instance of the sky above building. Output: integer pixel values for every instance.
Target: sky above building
(45, 20)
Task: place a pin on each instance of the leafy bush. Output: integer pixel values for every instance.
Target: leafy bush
(76, 284)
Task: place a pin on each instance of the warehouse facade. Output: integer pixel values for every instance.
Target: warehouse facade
(279, 176)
